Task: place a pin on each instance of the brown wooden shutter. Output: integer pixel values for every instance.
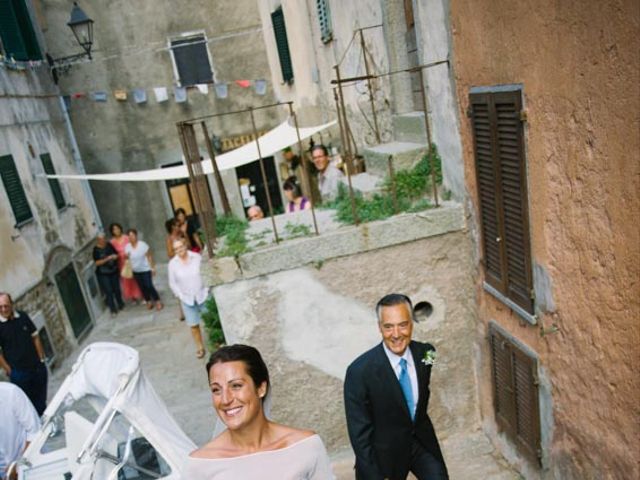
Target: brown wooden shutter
(513, 193)
(490, 209)
(515, 393)
(502, 192)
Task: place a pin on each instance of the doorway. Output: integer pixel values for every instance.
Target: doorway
(73, 300)
(252, 189)
(179, 190)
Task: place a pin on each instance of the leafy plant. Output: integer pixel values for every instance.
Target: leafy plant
(234, 232)
(212, 325)
(295, 230)
(411, 186)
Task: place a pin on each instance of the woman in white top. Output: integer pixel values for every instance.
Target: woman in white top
(143, 268)
(252, 446)
(186, 283)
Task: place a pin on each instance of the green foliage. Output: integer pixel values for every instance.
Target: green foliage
(234, 232)
(411, 187)
(212, 325)
(295, 230)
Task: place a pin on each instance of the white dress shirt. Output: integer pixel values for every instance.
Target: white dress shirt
(19, 423)
(185, 280)
(328, 182)
(411, 369)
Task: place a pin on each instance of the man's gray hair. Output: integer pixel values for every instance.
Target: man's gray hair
(8, 295)
(394, 299)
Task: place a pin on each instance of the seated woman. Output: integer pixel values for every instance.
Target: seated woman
(293, 192)
(252, 446)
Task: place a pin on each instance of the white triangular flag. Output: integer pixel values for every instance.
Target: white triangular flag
(161, 94)
(203, 88)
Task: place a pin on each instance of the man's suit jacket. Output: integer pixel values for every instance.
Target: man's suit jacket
(380, 427)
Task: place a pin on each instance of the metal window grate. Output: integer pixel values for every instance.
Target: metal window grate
(515, 393)
(324, 18)
(502, 193)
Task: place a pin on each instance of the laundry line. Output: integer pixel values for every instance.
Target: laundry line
(275, 140)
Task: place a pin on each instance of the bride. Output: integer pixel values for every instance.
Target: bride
(252, 446)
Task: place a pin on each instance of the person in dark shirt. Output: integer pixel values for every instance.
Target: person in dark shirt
(22, 356)
(106, 259)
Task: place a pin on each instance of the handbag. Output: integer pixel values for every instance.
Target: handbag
(127, 271)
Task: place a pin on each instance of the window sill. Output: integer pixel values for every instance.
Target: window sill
(521, 312)
(24, 223)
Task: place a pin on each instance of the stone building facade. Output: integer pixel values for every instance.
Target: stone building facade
(48, 226)
(148, 44)
(572, 71)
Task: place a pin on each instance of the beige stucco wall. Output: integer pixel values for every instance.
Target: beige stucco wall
(310, 321)
(32, 119)
(578, 63)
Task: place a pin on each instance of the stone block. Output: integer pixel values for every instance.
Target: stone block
(409, 127)
(405, 155)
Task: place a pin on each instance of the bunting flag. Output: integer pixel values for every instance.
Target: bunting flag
(161, 94)
(260, 86)
(180, 94)
(203, 88)
(78, 95)
(99, 96)
(221, 90)
(243, 83)
(140, 95)
(121, 95)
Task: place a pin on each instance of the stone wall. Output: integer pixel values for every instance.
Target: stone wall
(312, 319)
(131, 51)
(578, 65)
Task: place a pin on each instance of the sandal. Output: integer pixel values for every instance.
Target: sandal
(159, 306)
(200, 353)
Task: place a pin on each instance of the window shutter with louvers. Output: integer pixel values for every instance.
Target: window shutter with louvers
(192, 60)
(15, 192)
(280, 32)
(502, 191)
(515, 393)
(54, 184)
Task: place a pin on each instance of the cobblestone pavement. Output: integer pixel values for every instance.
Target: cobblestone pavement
(168, 359)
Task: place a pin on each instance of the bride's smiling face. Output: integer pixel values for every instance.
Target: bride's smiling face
(235, 396)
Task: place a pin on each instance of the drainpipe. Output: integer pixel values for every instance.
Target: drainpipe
(75, 152)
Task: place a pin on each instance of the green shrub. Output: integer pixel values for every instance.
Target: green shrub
(234, 232)
(212, 325)
(411, 187)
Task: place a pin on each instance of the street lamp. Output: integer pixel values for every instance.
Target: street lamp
(82, 27)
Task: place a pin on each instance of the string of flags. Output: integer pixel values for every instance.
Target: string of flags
(163, 94)
(138, 94)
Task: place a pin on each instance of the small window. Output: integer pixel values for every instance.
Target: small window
(502, 193)
(56, 190)
(515, 393)
(280, 32)
(16, 31)
(15, 191)
(190, 56)
(324, 17)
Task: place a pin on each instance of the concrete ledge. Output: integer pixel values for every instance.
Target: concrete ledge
(348, 241)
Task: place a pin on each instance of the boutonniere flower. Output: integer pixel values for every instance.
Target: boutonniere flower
(429, 357)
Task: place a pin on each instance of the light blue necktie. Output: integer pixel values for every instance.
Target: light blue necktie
(405, 384)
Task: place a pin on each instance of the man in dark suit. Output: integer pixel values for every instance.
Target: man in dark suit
(386, 394)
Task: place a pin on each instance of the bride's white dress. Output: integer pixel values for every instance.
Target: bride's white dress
(304, 460)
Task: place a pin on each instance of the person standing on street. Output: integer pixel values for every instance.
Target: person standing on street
(20, 425)
(22, 356)
(386, 395)
(143, 267)
(105, 258)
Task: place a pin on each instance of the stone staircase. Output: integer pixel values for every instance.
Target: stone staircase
(407, 148)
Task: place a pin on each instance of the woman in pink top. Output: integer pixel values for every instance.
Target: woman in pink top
(128, 286)
(252, 446)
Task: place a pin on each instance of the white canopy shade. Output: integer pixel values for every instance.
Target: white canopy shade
(284, 135)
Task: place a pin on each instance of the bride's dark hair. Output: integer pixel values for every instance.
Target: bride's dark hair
(256, 368)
